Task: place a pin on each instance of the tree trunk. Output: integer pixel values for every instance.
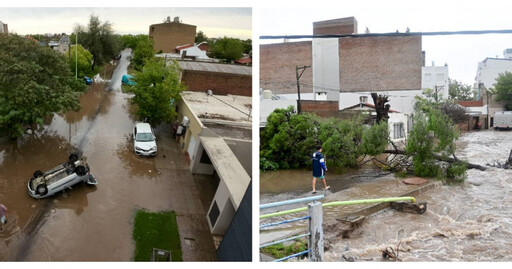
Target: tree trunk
(381, 107)
(441, 158)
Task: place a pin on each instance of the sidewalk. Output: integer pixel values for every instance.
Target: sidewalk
(196, 239)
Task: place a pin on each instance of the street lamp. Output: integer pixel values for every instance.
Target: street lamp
(298, 84)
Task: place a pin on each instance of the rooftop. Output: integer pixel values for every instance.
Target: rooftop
(216, 68)
(231, 110)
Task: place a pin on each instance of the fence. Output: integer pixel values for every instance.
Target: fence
(315, 233)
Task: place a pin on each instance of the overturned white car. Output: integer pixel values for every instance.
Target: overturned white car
(63, 176)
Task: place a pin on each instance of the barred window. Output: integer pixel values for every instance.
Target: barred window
(398, 130)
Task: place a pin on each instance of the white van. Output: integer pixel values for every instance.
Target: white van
(63, 176)
(503, 120)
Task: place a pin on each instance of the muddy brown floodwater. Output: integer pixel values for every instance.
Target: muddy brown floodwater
(87, 223)
(467, 222)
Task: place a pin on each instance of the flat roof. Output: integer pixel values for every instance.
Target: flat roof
(234, 110)
(229, 169)
(216, 68)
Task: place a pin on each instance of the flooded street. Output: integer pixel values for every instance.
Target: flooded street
(468, 222)
(87, 223)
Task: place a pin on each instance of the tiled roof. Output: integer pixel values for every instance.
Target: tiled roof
(470, 103)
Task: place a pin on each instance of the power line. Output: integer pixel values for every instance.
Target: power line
(442, 33)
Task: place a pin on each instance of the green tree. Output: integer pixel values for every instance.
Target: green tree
(200, 37)
(247, 44)
(82, 62)
(459, 91)
(131, 41)
(503, 89)
(143, 52)
(432, 139)
(99, 39)
(156, 87)
(35, 82)
(227, 48)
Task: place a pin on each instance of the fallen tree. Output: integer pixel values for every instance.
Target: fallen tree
(441, 158)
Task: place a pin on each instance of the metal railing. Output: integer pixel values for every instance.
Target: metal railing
(314, 231)
(315, 236)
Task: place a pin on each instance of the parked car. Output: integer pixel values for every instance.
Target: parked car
(63, 176)
(87, 80)
(128, 80)
(144, 143)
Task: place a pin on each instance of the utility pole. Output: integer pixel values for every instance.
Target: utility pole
(76, 55)
(298, 84)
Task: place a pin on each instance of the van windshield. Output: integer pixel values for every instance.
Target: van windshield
(144, 137)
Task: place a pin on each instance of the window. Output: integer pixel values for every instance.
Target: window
(398, 130)
(153, 29)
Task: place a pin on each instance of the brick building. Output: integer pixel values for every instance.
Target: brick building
(222, 79)
(277, 66)
(170, 34)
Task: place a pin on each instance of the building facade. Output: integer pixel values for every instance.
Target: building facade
(168, 35)
(4, 29)
(436, 79)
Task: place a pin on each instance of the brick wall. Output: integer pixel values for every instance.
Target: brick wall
(321, 108)
(380, 63)
(220, 84)
(167, 36)
(277, 66)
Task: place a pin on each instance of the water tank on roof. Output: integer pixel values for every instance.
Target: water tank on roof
(185, 121)
(267, 94)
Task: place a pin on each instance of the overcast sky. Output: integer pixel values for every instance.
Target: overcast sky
(461, 53)
(214, 22)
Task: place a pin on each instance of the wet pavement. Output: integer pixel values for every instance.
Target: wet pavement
(94, 223)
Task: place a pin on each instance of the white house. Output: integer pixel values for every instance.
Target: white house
(435, 78)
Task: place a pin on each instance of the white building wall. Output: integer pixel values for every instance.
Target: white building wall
(326, 68)
(432, 76)
(489, 70)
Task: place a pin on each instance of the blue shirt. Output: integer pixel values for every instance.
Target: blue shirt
(318, 164)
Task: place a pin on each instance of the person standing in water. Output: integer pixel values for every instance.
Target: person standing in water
(319, 168)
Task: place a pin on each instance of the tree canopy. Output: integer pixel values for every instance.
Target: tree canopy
(99, 39)
(82, 62)
(200, 37)
(228, 48)
(503, 89)
(289, 139)
(131, 41)
(457, 90)
(35, 82)
(142, 53)
(157, 86)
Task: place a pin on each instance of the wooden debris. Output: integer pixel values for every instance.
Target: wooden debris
(339, 229)
(389, 253)
(418, 208)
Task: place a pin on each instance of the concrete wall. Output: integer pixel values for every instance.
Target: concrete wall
(227, 210)
(380, 63)
(326, 68)
(219, 83)
(167, 36)
(277, 66)
(194, 128)
(433, 76)
(242, 150)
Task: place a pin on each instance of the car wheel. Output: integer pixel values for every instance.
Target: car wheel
(37, 174)
(73, 157)
(80, 170)
(41, 189)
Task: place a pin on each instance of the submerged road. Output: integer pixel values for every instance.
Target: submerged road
(94, 223)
